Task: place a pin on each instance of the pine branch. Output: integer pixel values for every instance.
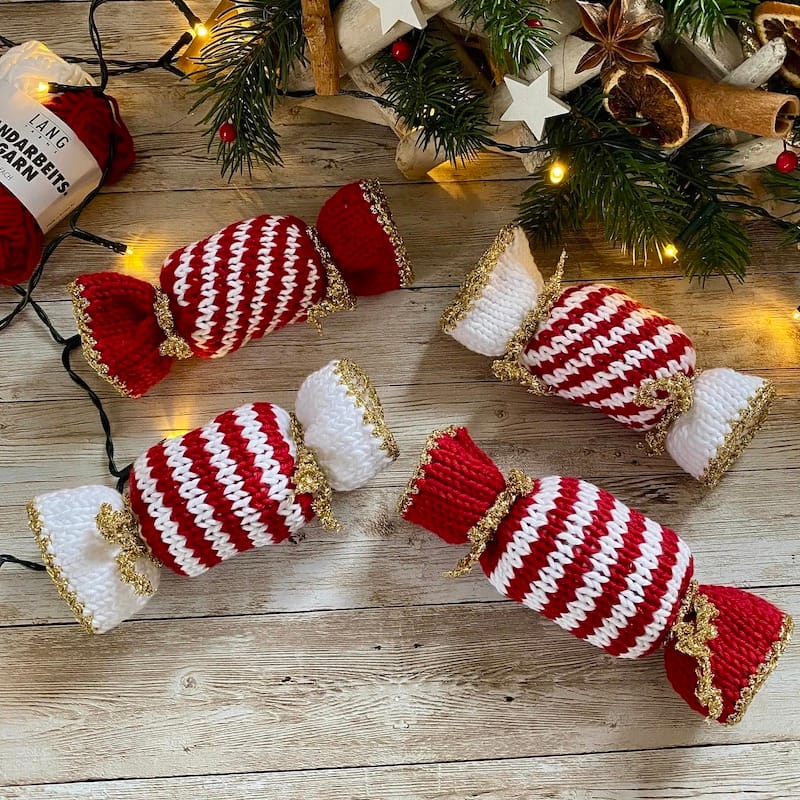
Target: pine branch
(706, 17)
(431, 94)
(786, 188)
(513, 43)
(245, 67)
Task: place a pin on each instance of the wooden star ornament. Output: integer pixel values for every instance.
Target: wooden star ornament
(394, 11)
(532, 103)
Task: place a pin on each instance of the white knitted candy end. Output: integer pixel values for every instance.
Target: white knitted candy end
(496, 296)
(31, 63)
(81, 561)
(343, 425)
(727, 411)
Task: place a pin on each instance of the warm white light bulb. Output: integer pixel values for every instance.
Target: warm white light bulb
(670, 251)
(200, 30)
(43, 87)
(796, 314)
(128, 251)
(557, 172)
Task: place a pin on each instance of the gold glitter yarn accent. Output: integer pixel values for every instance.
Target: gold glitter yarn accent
(765, 669)
(680, 394)
(509, 368)
(404, 503)
(741, 433)
(373, 194)
(174, 346)
(66, 593)
(360, 388)
(120, 528)
(337, 295)
(518, 485)
(80, 307)
(309, 478)
(476, 280)
(693, 629)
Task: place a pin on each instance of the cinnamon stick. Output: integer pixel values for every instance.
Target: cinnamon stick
(322, 46)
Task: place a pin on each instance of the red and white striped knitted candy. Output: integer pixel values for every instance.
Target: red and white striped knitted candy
(604, 572)
(219, 490)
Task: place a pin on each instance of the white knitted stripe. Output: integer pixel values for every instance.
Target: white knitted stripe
(308, 292)
(162, 521)
(203, 326)
(263, 275)
(289, 279)
(561, 555)
(668, 602)
(182, 272)
(237, 302)
(526, 535)
(603, 560)
(260, 447)
(232, 483)
(187, 482)
(639, 575)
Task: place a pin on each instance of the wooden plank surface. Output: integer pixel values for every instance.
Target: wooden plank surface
(344, 665)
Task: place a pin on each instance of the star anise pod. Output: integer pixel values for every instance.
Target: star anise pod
(620, 36)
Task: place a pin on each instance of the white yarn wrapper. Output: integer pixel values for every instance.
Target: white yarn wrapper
(31, 63)
(81, 561)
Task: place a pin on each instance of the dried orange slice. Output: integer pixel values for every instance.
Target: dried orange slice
(651, 102)
(773, 20)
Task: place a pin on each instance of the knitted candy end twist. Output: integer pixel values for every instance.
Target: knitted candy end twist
(81, 555)
(94, 119)
(252, 476)
(595, 345)
(599, 569)
(243, 282)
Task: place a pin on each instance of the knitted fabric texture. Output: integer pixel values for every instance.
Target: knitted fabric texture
(243, 282)
(94, 119)
(599, 569)
(249, 478)
(596, 346)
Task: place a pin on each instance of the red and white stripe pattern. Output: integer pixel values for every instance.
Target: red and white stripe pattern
(219, 490)
(243, 282)
(598, 345)
(600, 570)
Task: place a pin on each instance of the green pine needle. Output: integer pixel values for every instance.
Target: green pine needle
(431, 94)
(513, 43)
(706, 17)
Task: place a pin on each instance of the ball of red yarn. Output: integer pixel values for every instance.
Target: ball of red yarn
(95, 120)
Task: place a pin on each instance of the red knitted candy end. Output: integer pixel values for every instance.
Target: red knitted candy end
(356, 225)
(751, 634)
(119, 331)
(455, 484)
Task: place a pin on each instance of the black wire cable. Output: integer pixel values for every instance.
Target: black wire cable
(6, 558)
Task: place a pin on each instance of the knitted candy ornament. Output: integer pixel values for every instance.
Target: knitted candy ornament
(600, 570)
(244, 282)
(251, 477)
(595, 345)
(93, 118)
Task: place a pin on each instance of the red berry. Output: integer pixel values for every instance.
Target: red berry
(402, 51)
(534, 23)
(786, 161)
(227, 132)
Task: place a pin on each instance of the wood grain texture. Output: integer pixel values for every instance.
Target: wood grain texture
(344, 666)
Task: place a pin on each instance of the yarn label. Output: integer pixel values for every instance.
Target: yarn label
(43, 163)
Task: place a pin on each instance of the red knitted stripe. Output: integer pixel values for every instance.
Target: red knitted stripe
(274, 283)
(582, 556)
(654, 595)
(508, 527)
(222, 287)
(168, 484)
(305, 255)
(631, 543)
(527, 574)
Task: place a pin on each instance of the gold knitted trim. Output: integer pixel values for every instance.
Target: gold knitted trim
(741, 433)
(680, 395)
(121, 528)
(480, 534)
(404, 503)
(476, 280)
(80, 307)
(337, 295)
(360, 388)
(174, 346)
(765, 669)
(36, 525)
(373, 194)
(310, 479)
(509, 368)
(693, 629)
